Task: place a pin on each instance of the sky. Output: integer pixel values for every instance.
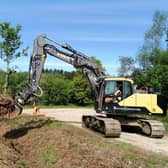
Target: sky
(104, 29)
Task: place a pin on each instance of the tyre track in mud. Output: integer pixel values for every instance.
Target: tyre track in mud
(73, 116)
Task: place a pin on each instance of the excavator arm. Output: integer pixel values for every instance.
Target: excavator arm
(71, 56)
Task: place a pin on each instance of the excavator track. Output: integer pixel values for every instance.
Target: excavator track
(107, 126)
(152, 128)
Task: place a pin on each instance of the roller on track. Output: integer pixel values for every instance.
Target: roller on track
(107, 126)
(152, 128)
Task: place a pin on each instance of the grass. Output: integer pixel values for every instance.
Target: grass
(57, 125)
(21, 120)
(131, 156)
(50, 156)
(22, 164)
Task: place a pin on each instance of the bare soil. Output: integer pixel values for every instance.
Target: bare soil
(41, 142)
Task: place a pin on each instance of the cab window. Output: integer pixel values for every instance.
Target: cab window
(127, 89)
(110, 87)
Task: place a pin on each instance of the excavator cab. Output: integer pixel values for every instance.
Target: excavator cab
(117, 96)
(112, 91)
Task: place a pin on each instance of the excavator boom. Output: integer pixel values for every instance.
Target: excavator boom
(69, 55)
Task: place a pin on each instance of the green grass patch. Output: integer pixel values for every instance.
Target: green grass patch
(131, 156)
(21, 120)
(49, 155)
(157, 162)
(151, 163)
(22, 164)
(57, 124)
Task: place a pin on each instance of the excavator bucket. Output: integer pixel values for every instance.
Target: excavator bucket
(7, 107)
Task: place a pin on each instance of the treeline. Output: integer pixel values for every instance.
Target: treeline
(59, 87)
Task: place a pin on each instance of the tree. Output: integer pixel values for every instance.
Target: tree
(99, 64)
(56, 89)
(158, 79)
(10, 41)
(126, 65)
(149, 52)
(1, 80)
(81, 93)
(139, 77)
(80, 90)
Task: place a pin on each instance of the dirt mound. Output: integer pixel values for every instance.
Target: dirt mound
(27, 142)
(7, 107)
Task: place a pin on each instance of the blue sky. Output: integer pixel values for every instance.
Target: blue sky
(104, 29)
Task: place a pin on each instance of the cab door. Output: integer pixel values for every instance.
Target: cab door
(99, 101)
(127, 89)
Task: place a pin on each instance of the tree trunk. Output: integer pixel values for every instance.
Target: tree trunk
(6, 77)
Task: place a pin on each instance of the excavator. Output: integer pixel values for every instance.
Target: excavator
(113, 111)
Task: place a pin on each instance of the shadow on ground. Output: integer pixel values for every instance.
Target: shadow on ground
(23, 130)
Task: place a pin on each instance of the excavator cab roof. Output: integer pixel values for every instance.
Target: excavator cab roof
(119, 79)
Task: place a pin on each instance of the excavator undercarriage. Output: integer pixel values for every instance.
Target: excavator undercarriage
(111, 127)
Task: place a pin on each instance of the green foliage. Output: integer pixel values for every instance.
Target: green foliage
(55, 89)
(11, 41)
(99, 64)
(2, 77)
(148, 54)
(158, 29)
(80, 90)
(139, 77)
(17, 82)
(9, 45)
(126, 65)
(59, 88)
(163, 58)
(156, 77)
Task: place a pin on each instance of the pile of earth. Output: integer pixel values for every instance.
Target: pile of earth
(7, 107)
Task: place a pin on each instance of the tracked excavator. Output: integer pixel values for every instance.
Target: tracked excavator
(113, 110)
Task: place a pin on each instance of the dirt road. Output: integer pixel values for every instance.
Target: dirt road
(73, 116)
